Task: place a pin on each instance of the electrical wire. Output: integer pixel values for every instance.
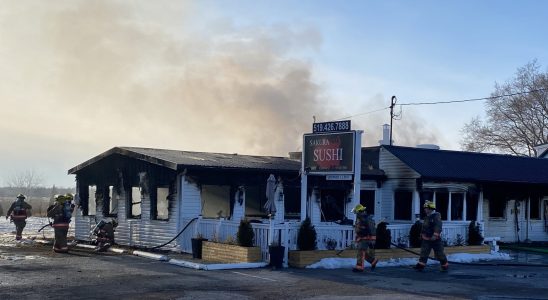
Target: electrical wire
(473, 99)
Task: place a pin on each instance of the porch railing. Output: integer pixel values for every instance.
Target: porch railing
(329, 236)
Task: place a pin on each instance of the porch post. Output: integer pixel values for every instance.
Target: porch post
(479, 216)
(464, 207)
(449, 208)
(357, 174)
(416, 205)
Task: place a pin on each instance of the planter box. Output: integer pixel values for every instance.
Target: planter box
(226, 253)
(301, 259)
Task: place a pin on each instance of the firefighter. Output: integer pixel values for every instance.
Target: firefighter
(19, 211)
(61, 213)
(431, 238)
(105, 234)
(365, 239)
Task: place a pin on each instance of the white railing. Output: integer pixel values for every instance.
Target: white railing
(328, 236)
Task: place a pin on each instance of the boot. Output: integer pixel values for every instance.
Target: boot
(445, 267)
(374, 264)
(356, 270)
(419, 267)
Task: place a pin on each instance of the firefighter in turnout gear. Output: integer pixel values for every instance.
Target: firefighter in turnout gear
(104, 232)
(431, 238)
(61, 213)
(365, 239)
(19, 211)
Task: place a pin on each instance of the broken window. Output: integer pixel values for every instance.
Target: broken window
(216, 201)
(134, 203)
(367, 199)
(160, 204)
(92, 206)
(403, 203)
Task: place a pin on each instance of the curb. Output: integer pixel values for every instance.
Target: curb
(173, 261)
(210, 267)
(150, 255)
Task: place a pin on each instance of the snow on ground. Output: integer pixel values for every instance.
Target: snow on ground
(336, 263)
(7, 230)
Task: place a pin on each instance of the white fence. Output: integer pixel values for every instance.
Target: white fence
(329, 236)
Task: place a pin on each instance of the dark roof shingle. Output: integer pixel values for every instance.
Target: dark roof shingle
(472, 166)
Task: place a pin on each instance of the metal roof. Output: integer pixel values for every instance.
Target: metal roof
(472, 166)
(175, 159)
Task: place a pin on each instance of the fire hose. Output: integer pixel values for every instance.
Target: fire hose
(178, 234)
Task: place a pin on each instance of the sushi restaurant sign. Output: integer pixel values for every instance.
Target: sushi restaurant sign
(329, 153)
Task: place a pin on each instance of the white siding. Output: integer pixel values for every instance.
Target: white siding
(399, 176)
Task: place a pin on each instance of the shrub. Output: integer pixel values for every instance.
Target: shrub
(306, 238)
(415, 235)
(459, 240)
(474, 234)
(246, 236)
(384, 236)
(330, 244)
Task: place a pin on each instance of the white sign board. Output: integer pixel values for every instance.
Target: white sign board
(338, 177)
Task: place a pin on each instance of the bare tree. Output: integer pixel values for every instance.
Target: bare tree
(25, 181)
(517, 119)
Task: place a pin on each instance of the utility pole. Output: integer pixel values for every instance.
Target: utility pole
(392, 104)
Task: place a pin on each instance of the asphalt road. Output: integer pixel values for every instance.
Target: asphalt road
(34, 272)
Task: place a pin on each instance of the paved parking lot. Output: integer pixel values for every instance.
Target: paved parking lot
(34, 272)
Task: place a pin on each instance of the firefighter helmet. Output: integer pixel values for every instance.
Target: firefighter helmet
(69, 197)
(60, 198)
(429, 204)
(358, 209)
(21, 196)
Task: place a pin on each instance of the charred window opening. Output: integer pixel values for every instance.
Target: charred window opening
(134, 200)
(497, 206)
(457, 206)
(534, 209)
(292, 202)
(255, 199)
(367, 199)
(332, 204)
(471, 206)
(403, 203)
(160, 204)
(442, 204)
(216, 201)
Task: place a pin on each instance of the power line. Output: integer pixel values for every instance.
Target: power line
(474, 99)
(361, 114)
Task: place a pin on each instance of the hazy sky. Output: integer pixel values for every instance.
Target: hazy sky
(80, 77)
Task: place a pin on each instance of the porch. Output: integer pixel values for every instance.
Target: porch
(330, 236)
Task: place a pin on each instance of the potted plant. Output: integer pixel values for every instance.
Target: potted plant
(234, 250)
(276, 252)
(197, 246)
(306, 238)
(384, 236)
(246, 236)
